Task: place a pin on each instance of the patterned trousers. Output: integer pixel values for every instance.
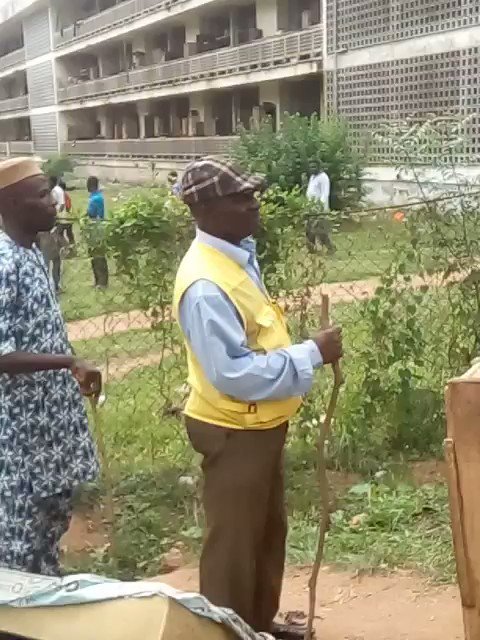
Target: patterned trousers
(30, 532)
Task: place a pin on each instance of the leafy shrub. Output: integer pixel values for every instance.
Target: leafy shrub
(284, 156)
(284, 216)
(58, 166)
(147, 237)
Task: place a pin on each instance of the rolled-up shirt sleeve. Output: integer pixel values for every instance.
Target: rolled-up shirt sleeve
(8, 294)
(216, 335)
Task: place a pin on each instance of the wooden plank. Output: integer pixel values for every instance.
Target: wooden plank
(463, 449)
(467, 589)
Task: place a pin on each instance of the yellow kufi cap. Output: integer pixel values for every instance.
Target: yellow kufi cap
(17, 169)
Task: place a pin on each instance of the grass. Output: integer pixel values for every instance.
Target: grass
(81, 300)
(386, 527)
(130, 344)
(378, 524)
(137, 429)
(363, 250)
(375, 526)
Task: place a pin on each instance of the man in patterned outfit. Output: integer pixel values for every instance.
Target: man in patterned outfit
(46, 450)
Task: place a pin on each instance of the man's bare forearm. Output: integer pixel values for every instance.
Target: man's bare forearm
(21, 362)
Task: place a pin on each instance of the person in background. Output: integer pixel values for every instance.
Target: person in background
(58, 195)
(51, 243)
(46, 450)
(96, 215)
(247, 381)
(175, 184)
(318, 190)
(66, 226)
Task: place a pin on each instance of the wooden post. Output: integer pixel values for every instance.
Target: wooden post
(462, 453)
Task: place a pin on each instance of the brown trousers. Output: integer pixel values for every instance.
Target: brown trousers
(243, 556)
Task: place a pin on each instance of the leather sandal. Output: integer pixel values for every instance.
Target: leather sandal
(289, 631)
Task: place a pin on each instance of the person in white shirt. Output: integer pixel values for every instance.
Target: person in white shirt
(58, 194)
(319, 190)
(52, 242)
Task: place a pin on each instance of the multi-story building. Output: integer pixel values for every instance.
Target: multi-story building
(128, 84)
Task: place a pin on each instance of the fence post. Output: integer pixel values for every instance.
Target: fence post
(462, 453)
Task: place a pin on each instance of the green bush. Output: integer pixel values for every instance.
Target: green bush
(58, 165)
(284, 156)
(147, 237)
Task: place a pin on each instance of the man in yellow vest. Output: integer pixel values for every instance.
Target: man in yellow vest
(247, 381)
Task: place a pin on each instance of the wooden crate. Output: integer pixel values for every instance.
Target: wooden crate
(462, 452)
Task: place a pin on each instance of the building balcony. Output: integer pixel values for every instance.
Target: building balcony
(111, 18)
(16, 148)
(19, 103)
(162, 148)
(284, 50)
(20, 148)
(12, 59)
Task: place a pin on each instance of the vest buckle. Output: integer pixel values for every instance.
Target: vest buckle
(252, 408)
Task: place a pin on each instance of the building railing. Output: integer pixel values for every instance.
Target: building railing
(111, 18)
(16, 148)
(12, 59)
(171, 148)
(264, 54)
(20, 148)
(14, 104)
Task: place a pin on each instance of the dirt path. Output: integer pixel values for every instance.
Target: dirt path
(112, 323)
(395, 607)
(120, 368)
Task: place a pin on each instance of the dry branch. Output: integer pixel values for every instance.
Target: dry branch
(322, 477)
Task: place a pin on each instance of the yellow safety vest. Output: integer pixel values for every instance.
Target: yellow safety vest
(265, 329)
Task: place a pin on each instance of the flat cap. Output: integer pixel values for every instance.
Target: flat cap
(211, 178)
(15, 170)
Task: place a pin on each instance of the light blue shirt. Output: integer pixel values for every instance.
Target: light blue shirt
(216, 335)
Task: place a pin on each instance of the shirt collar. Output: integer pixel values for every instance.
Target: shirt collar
(242, 254)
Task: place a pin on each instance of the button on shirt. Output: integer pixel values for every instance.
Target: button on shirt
(319, 189)
(217, 337)
(45, 443)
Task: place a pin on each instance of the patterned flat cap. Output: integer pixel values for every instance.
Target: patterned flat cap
(211, 178)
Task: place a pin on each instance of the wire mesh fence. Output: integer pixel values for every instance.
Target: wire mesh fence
(393, 287)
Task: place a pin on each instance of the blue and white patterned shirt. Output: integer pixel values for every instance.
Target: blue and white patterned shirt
(45, 444)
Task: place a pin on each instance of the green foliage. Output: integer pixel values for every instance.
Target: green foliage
(147, 237)
(284, 216)
(58, 165)
(393, 402)
(284, 157)
(446, 225)
(382, 526)
(415, 337)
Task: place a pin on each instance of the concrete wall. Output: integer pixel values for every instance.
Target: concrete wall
(388, 187)
(80, 124)
(384, 186)
(267, 17)
(128, 171)
(270, 92)
(9, 8)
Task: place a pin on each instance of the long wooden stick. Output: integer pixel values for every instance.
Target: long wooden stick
(322, 478)
(106, 469)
